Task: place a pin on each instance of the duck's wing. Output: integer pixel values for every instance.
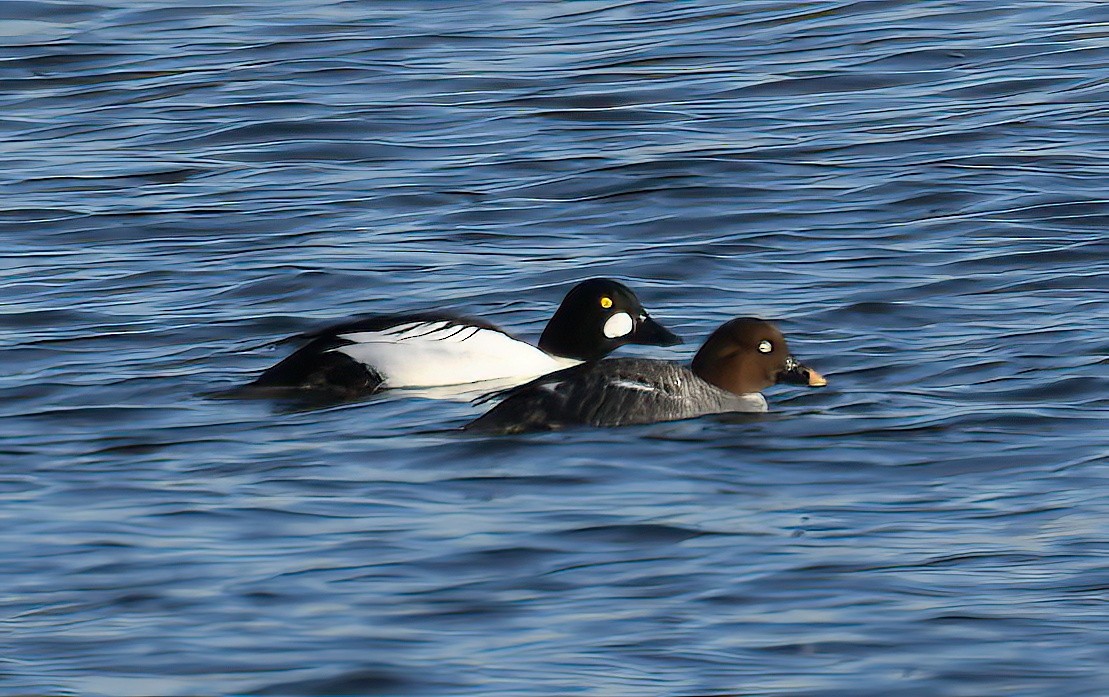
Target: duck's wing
(579, 371)
(419, 350)
(392, 327)
(611, 392)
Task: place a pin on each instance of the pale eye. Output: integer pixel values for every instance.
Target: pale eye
(765, 346)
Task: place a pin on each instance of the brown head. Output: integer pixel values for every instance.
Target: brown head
(748, 355)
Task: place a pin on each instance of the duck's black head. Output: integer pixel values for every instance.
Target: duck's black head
(748, 355)
(598, 316)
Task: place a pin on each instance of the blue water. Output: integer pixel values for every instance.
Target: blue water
(916, 192)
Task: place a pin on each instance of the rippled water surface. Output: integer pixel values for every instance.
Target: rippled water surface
(915, 191)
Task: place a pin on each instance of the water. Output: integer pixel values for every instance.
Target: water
(915, 191)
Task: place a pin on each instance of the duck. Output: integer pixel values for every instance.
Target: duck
(362, 356)
(738, 360)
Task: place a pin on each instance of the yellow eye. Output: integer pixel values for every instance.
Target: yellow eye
(606, 302)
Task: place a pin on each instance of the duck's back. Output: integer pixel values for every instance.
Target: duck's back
(612, 392)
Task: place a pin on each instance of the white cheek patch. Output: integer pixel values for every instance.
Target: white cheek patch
(620, 324)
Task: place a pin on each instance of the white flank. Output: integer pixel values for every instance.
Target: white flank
(427, 354)
(620, 324)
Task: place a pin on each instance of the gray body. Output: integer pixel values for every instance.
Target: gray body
(612, 392)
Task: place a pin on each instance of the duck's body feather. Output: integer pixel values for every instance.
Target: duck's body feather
(417, 350)
(438, 350)
(425, 354)
(612, 392)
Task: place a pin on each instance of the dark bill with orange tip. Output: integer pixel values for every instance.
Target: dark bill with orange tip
(796, 373)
